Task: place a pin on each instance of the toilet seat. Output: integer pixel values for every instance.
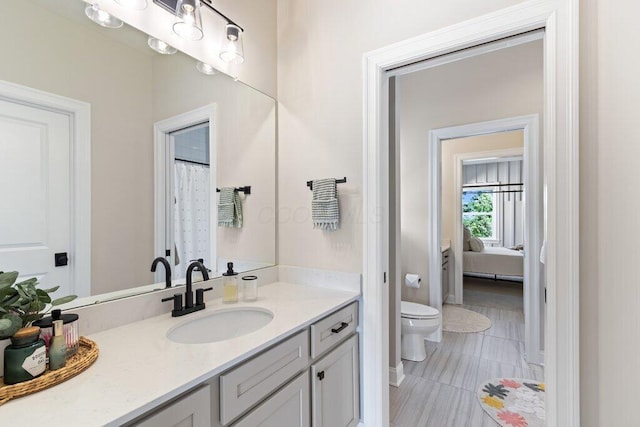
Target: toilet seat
(412, 310)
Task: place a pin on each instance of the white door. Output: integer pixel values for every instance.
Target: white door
(35, 189)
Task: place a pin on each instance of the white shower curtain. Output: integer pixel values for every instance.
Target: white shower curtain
(191, 215)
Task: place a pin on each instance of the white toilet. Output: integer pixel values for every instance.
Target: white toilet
(418, 321)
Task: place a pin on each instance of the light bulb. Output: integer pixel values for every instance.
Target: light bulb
(232, 51)
(101, 17)
(206, 68)
(160, 46)
(188, 23)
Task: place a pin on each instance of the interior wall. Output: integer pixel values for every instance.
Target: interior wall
(258, 18)
(320, 49)
(245, 134)
(609, 150)
(501, 84)
(119, 240)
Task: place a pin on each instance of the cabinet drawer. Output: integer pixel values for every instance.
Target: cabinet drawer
(288, 407)
(246, 385)
(191, 410)
(332, 329)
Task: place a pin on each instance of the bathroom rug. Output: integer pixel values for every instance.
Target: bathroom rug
(514, 402)
(461, 320)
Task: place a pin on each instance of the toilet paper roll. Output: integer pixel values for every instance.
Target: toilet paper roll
(412, 280)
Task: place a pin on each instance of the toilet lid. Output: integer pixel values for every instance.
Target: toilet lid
(412, 309)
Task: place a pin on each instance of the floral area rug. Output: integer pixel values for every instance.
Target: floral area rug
(514, 402)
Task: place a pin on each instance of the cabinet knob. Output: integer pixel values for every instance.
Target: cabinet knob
(321, 375)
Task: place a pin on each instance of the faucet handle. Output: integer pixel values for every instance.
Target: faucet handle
(200, 295)
(177, 302)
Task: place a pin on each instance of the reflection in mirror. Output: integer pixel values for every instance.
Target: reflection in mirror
(129, 90)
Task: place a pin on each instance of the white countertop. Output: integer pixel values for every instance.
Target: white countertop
(139, 368)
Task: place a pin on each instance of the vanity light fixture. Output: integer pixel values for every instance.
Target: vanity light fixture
(133, 4)
(188, 23)
(160, 46)
(206, 68)
(101, 17)
(232, 51)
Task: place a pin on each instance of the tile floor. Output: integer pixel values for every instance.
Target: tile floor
(441, 390)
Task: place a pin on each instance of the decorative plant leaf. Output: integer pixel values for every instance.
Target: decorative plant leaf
(43, 296)
(9, 325)
(63, 300)
(51, 290)
(8, 279)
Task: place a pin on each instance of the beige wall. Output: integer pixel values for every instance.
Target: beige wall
(320, 126)
(320, 48)
(245, 132)
(609, 150)
(502, 84)
(258, 18)
(120, 129)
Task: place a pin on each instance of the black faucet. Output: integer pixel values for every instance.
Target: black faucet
(189, 306)
(167, 269)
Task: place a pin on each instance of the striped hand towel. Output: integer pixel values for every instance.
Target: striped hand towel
(325, 211)
(229, 208)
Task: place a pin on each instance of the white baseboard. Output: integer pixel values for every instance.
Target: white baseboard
(396, 375)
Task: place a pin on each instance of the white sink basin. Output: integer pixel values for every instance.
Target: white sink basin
(221, 325)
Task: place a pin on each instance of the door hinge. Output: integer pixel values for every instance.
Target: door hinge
(321, 375)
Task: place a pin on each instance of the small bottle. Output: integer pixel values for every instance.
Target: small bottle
(26, 357)
(250, 288)
(57, 347)
(230, 285)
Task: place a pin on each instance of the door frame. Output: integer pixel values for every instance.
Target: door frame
(79, 114)
(529, 124)
(162, 177)
(559, 18)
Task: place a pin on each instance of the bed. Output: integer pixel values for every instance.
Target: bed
(496, 261)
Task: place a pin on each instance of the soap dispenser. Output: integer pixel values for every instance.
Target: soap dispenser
(230, 285)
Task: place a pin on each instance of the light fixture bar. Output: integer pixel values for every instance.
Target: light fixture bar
(222, 15)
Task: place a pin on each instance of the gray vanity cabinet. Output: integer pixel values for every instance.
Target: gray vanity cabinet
(310, 378)
(191, 410)
(445, 275)
(335, 397)
(288, 407)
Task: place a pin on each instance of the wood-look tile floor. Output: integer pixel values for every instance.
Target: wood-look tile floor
(441, 390)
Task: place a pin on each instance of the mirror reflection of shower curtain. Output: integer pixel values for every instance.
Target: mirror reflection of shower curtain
(191, 215)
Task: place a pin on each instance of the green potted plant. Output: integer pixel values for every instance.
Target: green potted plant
(21, 304)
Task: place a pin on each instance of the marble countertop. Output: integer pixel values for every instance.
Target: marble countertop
(139, 368)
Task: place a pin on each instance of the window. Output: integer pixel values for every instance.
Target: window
(480, 214)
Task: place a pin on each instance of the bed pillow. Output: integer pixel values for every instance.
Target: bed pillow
(465, 239)
(476, 244)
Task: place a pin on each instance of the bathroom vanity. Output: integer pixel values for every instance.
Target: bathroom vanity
(300, 369)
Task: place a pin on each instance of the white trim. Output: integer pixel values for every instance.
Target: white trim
(80, 173)
(162, 178)
(396, 375)
(560, 20)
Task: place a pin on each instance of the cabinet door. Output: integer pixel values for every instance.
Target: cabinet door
(192, 410)
(335, 390)
(445, 281)
(288, 407)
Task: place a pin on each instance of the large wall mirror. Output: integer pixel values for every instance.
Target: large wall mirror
(163, 136)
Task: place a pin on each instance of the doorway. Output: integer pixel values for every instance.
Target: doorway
(560, 131)
(185, 190)
(45, 178)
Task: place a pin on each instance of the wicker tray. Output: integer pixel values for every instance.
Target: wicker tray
(85, 356)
